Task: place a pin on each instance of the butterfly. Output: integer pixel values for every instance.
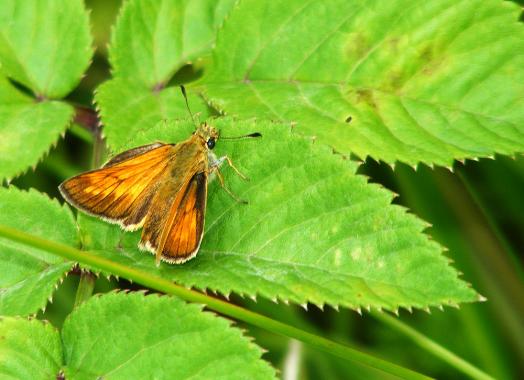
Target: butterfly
(161, 188)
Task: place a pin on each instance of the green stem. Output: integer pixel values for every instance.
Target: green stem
(493, 225)
(88, 119)
(82, 133)
(433, 347)
(220, 306)
(85, 287)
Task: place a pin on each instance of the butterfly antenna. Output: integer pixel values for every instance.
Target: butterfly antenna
(183, 89)
(251, 135)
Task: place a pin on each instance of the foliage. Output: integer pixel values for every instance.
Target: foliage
(155, 335)
(29, 276)
(48, 66)
(407, 83)
(324, 83)
(313, 231)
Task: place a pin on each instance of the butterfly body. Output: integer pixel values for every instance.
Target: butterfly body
(161, 188)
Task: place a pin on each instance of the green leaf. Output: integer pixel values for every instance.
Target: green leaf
(28, 128)
(157, 337)
(29, 276)
(132, 336)
(128, 108)
(313, 230)
(29, 349)
(152, 40)
(421, 81)
(45, 44)
(153, 281)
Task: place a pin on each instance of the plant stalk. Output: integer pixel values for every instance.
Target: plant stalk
(433, 347)
(217, 305)
(85, 287)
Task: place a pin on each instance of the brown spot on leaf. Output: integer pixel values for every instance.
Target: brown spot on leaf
(366, 96)
(357, 46)
(393, 44)
(430, 59)
(426, 54)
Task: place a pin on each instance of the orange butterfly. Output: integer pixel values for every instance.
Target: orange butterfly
(159, 187)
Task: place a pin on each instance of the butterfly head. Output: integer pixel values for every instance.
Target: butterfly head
(208, 134)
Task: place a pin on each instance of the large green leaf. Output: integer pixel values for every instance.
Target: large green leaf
(28, 128)
(45, 44)
(314, 231)
(29, 276)
(421, 81)
(152, 40)
(131, 336)
(29, 349)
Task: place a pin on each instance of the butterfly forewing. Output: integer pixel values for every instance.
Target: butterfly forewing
(122, 191)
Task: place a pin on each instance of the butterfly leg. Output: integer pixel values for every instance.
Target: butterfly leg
(217, 162)
(215, 170)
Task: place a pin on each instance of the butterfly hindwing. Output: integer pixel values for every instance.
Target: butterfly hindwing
(121, 191)
(175, 235)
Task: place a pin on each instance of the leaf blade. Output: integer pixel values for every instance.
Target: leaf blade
(42, 359)
(402, 72)
(151, 42)
(60, 43)
(30, 276)
(28, 128)
(153, 39)
(127, 108)
(176, 345)
(314, 231)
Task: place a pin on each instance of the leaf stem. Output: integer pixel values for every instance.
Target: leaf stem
(85, 287)
(433, 347)
(82, 133)
(217, 305)
(493, 225)
(87, 118)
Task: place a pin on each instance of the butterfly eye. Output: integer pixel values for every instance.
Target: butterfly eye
(211, 143)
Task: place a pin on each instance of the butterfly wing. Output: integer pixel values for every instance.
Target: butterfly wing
(175, 236)
(121, 191)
